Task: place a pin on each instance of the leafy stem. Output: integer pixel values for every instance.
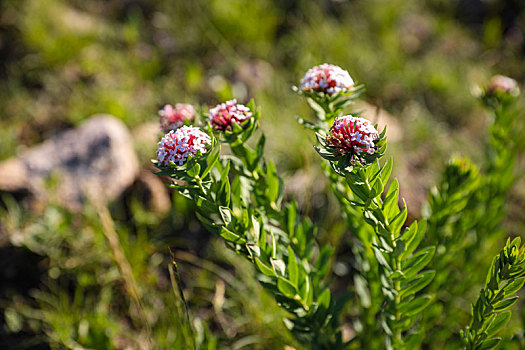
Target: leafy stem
(490, 312)
(239, 199)
(399, 266)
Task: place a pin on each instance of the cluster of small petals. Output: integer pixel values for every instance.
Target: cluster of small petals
(173, 118)
(504, 84)
(225, 114)
(326, 78)
(177, 145)
(352, 135)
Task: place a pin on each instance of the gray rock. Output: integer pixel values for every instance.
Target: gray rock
(94, 162)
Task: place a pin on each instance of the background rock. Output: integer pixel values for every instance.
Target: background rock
(95, 160)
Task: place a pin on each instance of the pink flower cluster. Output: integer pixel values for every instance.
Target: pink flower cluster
(225, 114)
(326, 78)
(501, 83)
(177, 145)
(352, 135)
(173, 118)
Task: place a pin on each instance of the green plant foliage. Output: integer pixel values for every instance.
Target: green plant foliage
(465, 211)
(490, 312)
(400, 269)
(264, 194)
(240, 200)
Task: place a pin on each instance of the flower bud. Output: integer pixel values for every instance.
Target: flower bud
(177, 146)
(225, 114)
(352, 135)
(460, 173)
(326, 78)
(503, 84)
(173, 118)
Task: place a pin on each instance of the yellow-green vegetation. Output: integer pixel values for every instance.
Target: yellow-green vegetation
(105, 278)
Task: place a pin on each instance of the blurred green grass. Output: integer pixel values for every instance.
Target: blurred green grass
(62, 61)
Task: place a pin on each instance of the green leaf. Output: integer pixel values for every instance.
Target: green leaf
(417, 283)
(505, 303)
(492, 280)
(273, 183)
(360, 190)
(236, 128)
(489, 344)
(293, 271)
(307, 124)
(236, 195)
(309, 291)
(396, 275)
(399, 248)
(381, 260)
(253, 249)
(417, 262)
(210, 226)
(262, 239)
(492, 275)
(278, 266)
(194, 170)
(211, 160)
(265, 270)
(414, 306)
(499, 321)
(319, 111)
(273, 243)
(361, 288)
(399, 220)
(324, 299)
(413, 341)
(226, 215)
(230, 236)
(514, 286)
(516, 242)
(223, 192)
(377, 188)
(390, 207)
(205, 206)
(251, 105)
(286, 287)
(260, 146)
(386, 170)
(255, 229)
(412, 241)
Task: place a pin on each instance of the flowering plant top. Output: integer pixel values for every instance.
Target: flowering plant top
(501, 90)
(351, 134)
(177, 146)
(351, 141)
(327, 78)
(223, 116)
(503, 84)
(171, 118)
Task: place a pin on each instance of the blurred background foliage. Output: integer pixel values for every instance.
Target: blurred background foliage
(62, 61)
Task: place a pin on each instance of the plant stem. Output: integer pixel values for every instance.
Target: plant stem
(199, 182)
(394, 262)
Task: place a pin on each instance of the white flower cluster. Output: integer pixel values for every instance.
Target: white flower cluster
(225, 114)
(351, 134)
(177, 145)
(327, 78)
